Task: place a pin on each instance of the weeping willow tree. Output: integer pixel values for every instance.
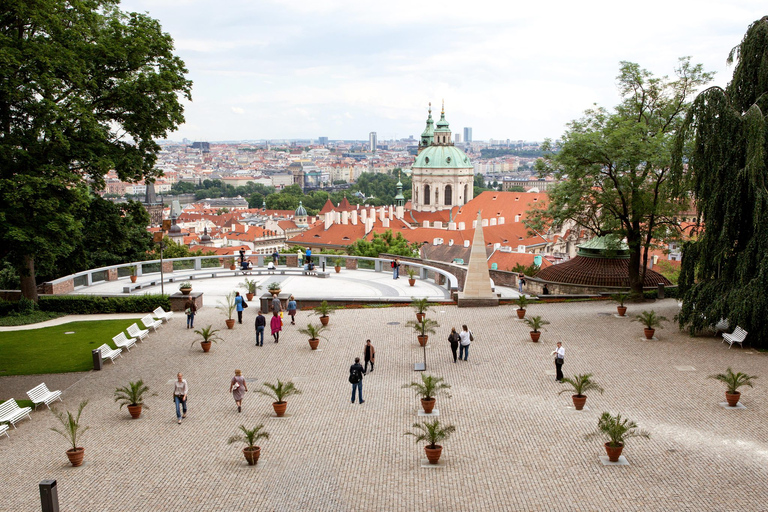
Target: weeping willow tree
(724, 271)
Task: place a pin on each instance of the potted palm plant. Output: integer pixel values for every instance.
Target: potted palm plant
(228, 307)
(132, 395)
(428, 389)
(620, 298)
(279, 392)
(313, 331)
(250, 436)
(230, 262)
(617, 431)
(535, 323)
(432, 432)
(423, 329)
(133, 270)
(323, 310)
(421, 306)
(650, 320)
(733, 382)
(274, 288)
(185, 288)
(250, 288)
(72, 430)
(208, 336)
(337, 264)
(522, 303)
(579, 385)
(411, 275)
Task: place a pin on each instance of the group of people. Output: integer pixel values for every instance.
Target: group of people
(276, 322)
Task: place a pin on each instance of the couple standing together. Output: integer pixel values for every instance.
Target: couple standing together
(461, 341)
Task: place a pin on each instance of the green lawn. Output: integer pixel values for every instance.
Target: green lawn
(49, 350)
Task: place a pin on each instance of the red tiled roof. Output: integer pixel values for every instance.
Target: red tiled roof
(597, 272)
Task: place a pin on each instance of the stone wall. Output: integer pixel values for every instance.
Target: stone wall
(178, 300)
(61, 288)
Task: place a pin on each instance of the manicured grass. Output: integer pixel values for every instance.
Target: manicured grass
(32, 318)
(49, 350)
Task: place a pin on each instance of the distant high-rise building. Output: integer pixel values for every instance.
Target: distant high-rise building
(372, 141)
(323, 141)
(467, 134)
(457, 138)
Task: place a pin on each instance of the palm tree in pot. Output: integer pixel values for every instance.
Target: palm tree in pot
(580, 384)
(72, 430)
(421, 306)
(313, 331)
(432, 432)
(423, 329)
(650, 320)
(522, 303)
(250, 437)
(278, 393)
(411, 275)
(617, 430)
(428, 389)
(228, 307)
(535, 323)
(620, 298)
(323, 310)
(338, 262)
(133, 270)
(733, 382)
(250, 288)
(207, 337)
(132, 395)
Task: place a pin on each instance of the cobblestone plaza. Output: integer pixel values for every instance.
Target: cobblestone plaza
(518, 445)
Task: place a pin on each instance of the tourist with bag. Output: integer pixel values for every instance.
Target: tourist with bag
(465, 338)
(292, 309)
(238, 388)
(454, 339)
(190, 309)
(276, 324)
(356, 379)
(239, 301)
(559, 354)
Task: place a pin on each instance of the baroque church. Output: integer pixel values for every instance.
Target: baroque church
(443, 176)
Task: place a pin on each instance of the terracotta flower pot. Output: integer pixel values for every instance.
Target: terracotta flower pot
(185, 291)
(279, 408)
(649, 333)
(621, 310)
(535, 335)
(420, 316)
(579, 401)
(732, 398)
(230, 323)
(520, 313)
(313, 343)
(337, 269)
(325, 319)
(433, 454)
(206, 345)
(135, 410)
(428, 405)
(252, 456)
(249, 296)
(133, 279)
(422, 339)
(75, 456)
(411, 282)
(614, 452)
(233, 267)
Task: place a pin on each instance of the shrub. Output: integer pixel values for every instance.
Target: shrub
(88, 305)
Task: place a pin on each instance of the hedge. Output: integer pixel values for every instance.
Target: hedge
(90, 304)
(670, 292)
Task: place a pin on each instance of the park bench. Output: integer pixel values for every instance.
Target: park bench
(41, 395)
(122, 341)
(162, 315)
(108, 353)
(10, 412)
(4, 430)
(137, 332)
(151, 323)
(737, 336)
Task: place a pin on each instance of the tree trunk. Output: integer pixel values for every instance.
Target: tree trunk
(27, 279)
(635, 255)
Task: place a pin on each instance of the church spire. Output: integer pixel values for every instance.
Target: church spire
(429, 131)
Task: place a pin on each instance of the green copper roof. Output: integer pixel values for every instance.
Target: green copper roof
(442, 124)
(429, 131)
(300, 211)
(442, 157)
(604, 247)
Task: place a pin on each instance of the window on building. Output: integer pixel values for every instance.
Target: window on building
(448, 195)
(426, 194)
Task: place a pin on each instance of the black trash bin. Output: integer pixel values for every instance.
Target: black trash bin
(96, 359)
(49, 496)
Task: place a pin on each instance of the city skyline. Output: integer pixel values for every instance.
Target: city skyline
(299, 70)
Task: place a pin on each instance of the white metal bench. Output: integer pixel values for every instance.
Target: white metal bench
(41, 395)
(737, 336)
(10, 412)
(135, 331)
(108, 353)
(162, 314)
(4, 430)
(123, 341)
(151, 323)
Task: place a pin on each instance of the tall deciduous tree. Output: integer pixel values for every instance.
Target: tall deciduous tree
(724, 271)
(615, 166)
(84, 89)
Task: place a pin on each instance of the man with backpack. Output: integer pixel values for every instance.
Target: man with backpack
(395, 269)
(356, 379)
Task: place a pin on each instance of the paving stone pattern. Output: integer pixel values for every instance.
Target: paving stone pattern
(518, 445)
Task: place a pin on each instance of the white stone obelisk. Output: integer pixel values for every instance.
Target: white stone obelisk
(477, 285)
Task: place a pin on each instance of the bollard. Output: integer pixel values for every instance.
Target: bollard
(49, 496)
(660, 294)
(96, 359)
(323, 265)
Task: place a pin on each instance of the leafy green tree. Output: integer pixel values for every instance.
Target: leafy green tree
(724, 271)
(183, 187)
(615, 166)
(85, 89)
(383, 243)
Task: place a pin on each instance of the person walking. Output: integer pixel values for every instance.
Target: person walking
(242, 256)
(238, 388)
(520, 282)
(275, 257)
(454, 339)
(190, 309)
(465, 338)
(292, 309)
(356, 379)
(559, 354)
(370, 355)
(261, 324)
(395, 269)
(277, 307)
(276, 324)
(180, 391)
(239, 304)
(298, 258)
(308, 256)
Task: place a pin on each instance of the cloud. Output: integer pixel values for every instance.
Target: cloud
(238, 110)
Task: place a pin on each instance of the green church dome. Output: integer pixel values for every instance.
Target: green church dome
(442, 157)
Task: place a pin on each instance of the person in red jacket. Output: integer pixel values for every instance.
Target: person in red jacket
(277, 325)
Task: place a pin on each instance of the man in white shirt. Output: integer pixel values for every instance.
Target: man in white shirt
(559, 354)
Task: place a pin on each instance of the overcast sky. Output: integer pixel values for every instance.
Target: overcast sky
(510, 70)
